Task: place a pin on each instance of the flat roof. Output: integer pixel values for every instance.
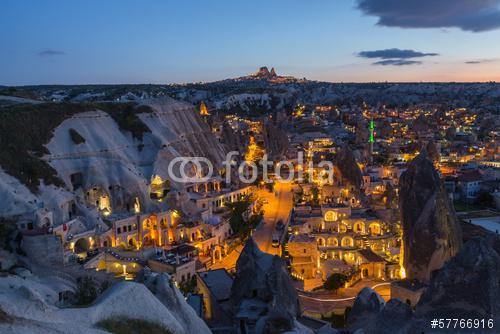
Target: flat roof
(219, 282)
(183, 249)
(478, 214)
(301, 238)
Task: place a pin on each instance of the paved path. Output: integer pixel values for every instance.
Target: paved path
(278, 207)
(324, 302)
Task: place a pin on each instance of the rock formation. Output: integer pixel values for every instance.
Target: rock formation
(163, 289)
(468, 286)
(390, 196)
(432, 151)
(361, 130)
(32, 307)
(372, 315)
(232, 140)
(431, 233)
(395, 317)
(262, 281)
(275, 140)
(366, 307)
(264, 73)
(348, 167)
(112, 160)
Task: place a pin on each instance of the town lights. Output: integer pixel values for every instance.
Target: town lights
(402, 272)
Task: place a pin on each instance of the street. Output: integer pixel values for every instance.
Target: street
(278, 207)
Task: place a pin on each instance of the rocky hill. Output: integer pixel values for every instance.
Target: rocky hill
(262, 283)
(57, 151)
(27, 306)
(466, 287)
(431, 233)
(265, 91)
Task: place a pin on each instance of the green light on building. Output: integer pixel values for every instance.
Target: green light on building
(372, 128)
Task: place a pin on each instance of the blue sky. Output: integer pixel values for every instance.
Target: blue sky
(73, 42)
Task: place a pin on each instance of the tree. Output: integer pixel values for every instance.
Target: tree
(335, 281)
(270, 186)
(315, 196)
(188, 286)
(240, 225)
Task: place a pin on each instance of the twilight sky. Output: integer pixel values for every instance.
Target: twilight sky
(112, 41)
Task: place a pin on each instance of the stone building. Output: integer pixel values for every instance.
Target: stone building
(327, 239)
(304, 255)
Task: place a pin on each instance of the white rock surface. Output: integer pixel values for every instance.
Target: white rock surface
(31, 306)
(110, 156)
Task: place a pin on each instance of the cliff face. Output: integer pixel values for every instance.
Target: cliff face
(275, 139)
(262, 278)
(367, 306)
(232, 140)
(111, 159)
(371, 315)
(348, 167)
(32, 306)
(163, 289)
(468, 286)
(432, 151)
(431, 233)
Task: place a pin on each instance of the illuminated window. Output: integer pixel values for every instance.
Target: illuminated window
(331, 216)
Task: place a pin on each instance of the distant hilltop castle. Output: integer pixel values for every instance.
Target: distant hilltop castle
(264, 73)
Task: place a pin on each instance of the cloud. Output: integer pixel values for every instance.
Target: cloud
(468, 15)
(396, 57)
(480, 61)
(394, 53)
(397, 62)
(50, 53)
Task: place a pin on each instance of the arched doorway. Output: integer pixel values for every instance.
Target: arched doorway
(217, 254)
(347, 242)
(374, 229)
(107, 242)
(132, 242)
(321, 242)
(359, 227)
(332, 242)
